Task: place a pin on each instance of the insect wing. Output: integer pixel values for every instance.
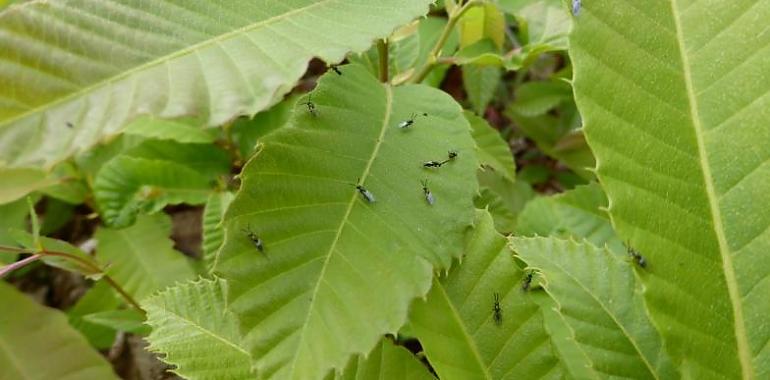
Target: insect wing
(576, 7)
(369, 196)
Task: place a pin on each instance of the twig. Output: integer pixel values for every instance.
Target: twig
(420, 75)
(12, 267)
(80, 261)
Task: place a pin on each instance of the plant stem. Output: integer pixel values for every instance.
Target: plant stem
(21, 263)
(86, 263)
(382, 49)
(420, 75)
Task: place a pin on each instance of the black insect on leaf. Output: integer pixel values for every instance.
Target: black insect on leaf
(408, 122)
(497, 310)
(366, 194)
(527, 282)
(310, 106)
(255, 239)
(636, 257)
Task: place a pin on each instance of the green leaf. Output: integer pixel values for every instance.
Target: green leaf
(537, 98)
(480, 83)
(57, 215)
(127, 186)
(579, 213)
(596, 292)
(456, 324)
(206, 159)
(155, 174)
(493, 151)
(86, 266)
(213, 231)
(674, 98)
(18, 182)
(100, 297)
(128, 320)
(246, 132)
(558, 135)
(574, 359)
(194, 330)
(503, 198)
(141, 258)
(162, 129)
(547, 25)
(14, 218)
(105, 68)
(543, 26)
(37, 343)
(482, 22)
(386, 361)
(324, 244)
(91, 161)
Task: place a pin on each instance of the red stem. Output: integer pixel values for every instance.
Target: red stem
(19, 264)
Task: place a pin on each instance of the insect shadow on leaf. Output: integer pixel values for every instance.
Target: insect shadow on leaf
(497, 310)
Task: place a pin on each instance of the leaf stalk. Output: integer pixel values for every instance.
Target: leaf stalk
(85, 263)
(433, 56)
(382, 50)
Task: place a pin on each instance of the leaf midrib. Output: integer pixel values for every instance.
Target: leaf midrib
(134, 249)
(605, 309)
(744, 352)
(344, 219)
(165, 58)
(458, 319)
(206, 331)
